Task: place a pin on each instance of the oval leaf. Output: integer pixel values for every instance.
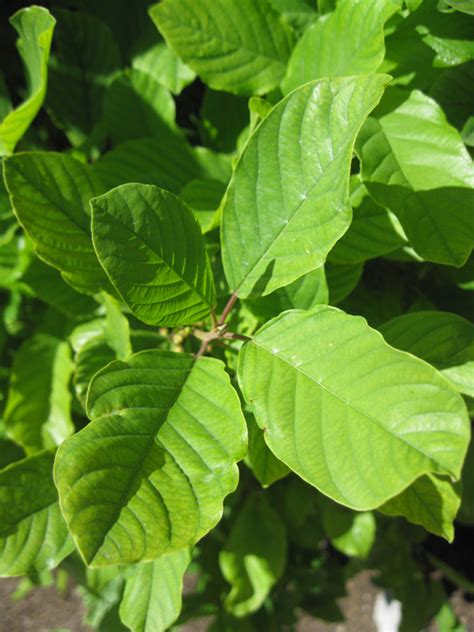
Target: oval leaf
(354, 417)
(287, 203)
(151, 247)
(240, 47)
(153, 468)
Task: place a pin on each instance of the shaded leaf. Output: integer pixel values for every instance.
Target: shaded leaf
(152, 597)
(170, 280)
(37, 414)
(254, 556)
(416, 165)
(265, 466)
(33, 535)
(431, 502)
(50, 194)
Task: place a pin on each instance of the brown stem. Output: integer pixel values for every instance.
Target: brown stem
(227, 309)
(231, 335)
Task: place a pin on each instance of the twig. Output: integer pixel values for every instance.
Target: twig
(227, 309)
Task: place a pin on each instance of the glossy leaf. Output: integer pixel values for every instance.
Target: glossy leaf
(33, 535)
(331, 395)
(152, 249)
(37, 413)
(152, 597)
(359, 51)
(237, 47)
(138, 106)
(50, 194)
(35, 26)
(440, 338)
(285, 226)
(254, 556)
(153, 467)
(431, 502)
(90, 358)
(416, 165)
(204, 197)
(85, 60)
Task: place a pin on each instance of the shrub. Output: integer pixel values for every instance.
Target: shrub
(236, 272)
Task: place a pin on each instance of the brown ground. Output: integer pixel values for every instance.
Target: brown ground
(43, 610)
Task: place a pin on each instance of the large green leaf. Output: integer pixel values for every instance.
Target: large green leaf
(240, 47)
(354, 417)
(416, 165)
(287, 203)
(170, 164)
(151, 247)
(431, 502)
(254, 556)
(152, 597)
(349, 41)
(440, 338)
(352, 533)
(50, 194)
(136, 105)
(33, 535)
(37, 414)
(85, 60)
(153, 467)
(35, 27)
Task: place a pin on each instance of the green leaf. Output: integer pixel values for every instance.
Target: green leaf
(287, 203)
(416, 165)
(33, 535)
(204, 196)
(152, 597)
(298, 13)
(85, 61)
(466, 6)
(165, 277)
(153, 467)
(92, 356)
(354, 417)
(239, 47)
(37, 413)
(357, 28)
(166, 67)
(373, 232)
(342, 279)
(440, 338)
(254, 556)
(309, 290)
(169, 165)
(47, 284)
(265, 466)
(431, 502)
(351, 533)
(50, 194)
(222, 118)
(35, 26)
(138, 106)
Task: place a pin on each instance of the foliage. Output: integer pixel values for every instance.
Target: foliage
(236, 277)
